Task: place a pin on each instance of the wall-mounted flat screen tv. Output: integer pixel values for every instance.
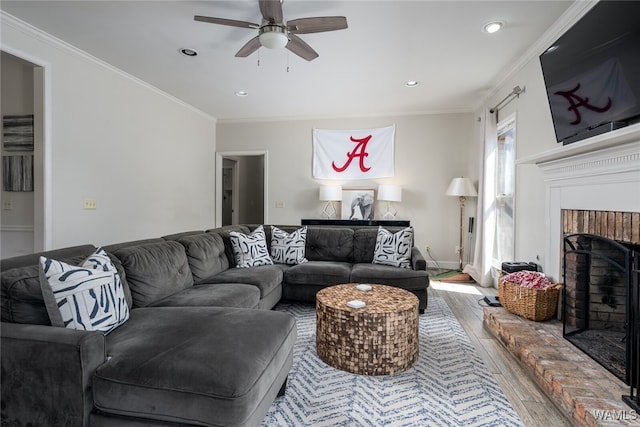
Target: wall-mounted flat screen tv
(592, 72)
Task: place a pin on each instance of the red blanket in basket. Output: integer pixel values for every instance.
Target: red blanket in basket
(528, 279)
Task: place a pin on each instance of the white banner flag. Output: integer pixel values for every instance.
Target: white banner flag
(353, 154)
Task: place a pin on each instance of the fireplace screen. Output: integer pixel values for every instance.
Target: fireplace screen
(596, 306)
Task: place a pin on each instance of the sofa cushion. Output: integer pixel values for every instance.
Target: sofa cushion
(86, 297)
(206, 255)
(224, 232)
(155, 270)
(63, 254)
(364, 242)
(393, 249)
(213, 295)
(405, 278)
(288, 248)
(22, 300)
(318, 273)
(191, 368)
(266, 277)
(20, 292)
(329, 244)
(250, 250)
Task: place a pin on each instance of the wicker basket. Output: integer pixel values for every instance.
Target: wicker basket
(532, 304)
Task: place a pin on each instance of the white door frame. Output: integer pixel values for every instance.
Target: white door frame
(220, 155)
(43, 202)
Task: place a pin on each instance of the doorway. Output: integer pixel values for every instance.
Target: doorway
(23, 209)
(229, 191)
(241, 188)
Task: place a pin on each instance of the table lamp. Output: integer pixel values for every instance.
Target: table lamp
(330, 194)
(389, 193)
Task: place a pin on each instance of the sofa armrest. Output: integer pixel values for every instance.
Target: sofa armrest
(418, 262)
(47, 374)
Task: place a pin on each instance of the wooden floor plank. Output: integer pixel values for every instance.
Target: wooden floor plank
(530, 403)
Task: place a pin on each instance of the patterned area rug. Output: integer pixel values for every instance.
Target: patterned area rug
(448, 386)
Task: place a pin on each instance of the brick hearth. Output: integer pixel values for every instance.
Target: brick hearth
(586, 392)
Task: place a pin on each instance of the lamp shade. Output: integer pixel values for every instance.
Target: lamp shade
(273, 37)
(462, 187)
(390, 193)
(329, 193)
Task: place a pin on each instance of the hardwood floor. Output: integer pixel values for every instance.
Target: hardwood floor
(529, 401)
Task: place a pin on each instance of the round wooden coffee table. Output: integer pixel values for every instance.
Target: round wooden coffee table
(378, 339)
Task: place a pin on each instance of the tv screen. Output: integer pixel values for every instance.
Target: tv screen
(592, 72)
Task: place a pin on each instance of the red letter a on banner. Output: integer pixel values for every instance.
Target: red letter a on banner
(359, 150)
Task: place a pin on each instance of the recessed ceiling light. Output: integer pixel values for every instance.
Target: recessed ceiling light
(412, 83)
(492, 27)
(188, 52)
(242, 93)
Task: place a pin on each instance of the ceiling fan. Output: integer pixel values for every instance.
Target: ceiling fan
(274, 33)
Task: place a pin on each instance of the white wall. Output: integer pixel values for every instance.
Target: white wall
(147, 158)
(535, 135)
(429, 151)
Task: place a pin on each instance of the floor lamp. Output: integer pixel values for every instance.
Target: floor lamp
(463, 188)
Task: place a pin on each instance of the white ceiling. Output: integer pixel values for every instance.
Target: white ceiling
(360, 71)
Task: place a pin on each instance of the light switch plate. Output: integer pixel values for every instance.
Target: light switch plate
(90, 204)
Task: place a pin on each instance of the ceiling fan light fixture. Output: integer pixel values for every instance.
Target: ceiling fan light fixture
(273, 37)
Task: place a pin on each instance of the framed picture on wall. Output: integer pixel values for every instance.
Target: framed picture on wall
(358, 204)
(17, 133)
(17, 173)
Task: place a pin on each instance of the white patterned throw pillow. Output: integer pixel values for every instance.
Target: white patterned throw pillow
(88, 297)
(288, 248)
(394, 249)
(250, 250)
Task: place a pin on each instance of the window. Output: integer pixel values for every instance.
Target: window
(503, 248)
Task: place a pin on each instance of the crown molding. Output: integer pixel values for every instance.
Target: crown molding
(29, 30)
(570, 16)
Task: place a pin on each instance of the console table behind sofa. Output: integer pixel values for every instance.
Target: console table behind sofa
(352, 222)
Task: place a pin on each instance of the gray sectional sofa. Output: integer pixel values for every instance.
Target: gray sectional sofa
(201, 345)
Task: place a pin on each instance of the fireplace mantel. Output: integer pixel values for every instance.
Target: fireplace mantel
(619, 137)
(602, 173)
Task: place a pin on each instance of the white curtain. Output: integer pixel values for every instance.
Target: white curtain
(480, 270)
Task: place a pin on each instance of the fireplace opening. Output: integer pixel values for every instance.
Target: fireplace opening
(596, 300)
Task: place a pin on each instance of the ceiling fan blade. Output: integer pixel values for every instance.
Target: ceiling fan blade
(301, 48)
(250, 47)
(317, 25)
(229, 22)
(271, 11)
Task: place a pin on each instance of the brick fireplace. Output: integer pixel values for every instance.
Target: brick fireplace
(593, 184)
(598, 261)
